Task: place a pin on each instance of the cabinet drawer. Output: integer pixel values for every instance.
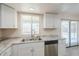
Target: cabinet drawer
(37, 44)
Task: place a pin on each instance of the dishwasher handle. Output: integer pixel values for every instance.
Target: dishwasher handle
(51, 42)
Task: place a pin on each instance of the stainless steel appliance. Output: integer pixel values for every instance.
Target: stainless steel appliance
(51, 48)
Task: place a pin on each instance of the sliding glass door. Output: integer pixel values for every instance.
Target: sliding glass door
(69, 31)
(65, 31)
(73, 33)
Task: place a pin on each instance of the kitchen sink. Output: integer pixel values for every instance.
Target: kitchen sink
(31, 40)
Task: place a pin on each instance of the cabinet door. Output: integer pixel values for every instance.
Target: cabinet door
(8, 17)
(61, 47)
(21, 50)
(7, 52)
(50, 20)
(38, 49)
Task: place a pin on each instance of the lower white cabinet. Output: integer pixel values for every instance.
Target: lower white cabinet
(7, 52)
(38, 49)
(21, 50)
(29, 49)
(25, 49)
(62, 48)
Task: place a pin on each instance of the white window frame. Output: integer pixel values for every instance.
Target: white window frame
(31, 24)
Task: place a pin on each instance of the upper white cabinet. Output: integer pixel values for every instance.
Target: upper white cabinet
(50, 20)
(8, 17)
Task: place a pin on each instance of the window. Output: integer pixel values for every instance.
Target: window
(29, 24)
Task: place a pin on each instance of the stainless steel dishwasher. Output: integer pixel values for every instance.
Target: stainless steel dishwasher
(51, 48)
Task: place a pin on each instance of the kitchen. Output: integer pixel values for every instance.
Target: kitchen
(33, 29)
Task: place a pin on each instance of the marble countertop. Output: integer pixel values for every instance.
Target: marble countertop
(8, 42)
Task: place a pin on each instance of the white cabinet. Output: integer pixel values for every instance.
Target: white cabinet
(50, 20)
(61, 47)
(8, 17)
(21, 50)
(38, 49)
(7, 52)
(29, 49)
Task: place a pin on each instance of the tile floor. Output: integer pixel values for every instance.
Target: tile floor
(72, 51)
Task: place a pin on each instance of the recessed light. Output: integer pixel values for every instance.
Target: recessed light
(31, 9)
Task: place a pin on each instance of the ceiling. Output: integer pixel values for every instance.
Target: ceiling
(46, 7)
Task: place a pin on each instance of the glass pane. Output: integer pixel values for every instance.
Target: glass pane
(30, 24)
(35, 25)
(73, 33)
(26, 24)
(65, 31)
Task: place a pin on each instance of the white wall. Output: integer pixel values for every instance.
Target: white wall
(68, 16)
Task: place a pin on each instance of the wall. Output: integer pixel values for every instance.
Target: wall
(55, 32)
(69, 16)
